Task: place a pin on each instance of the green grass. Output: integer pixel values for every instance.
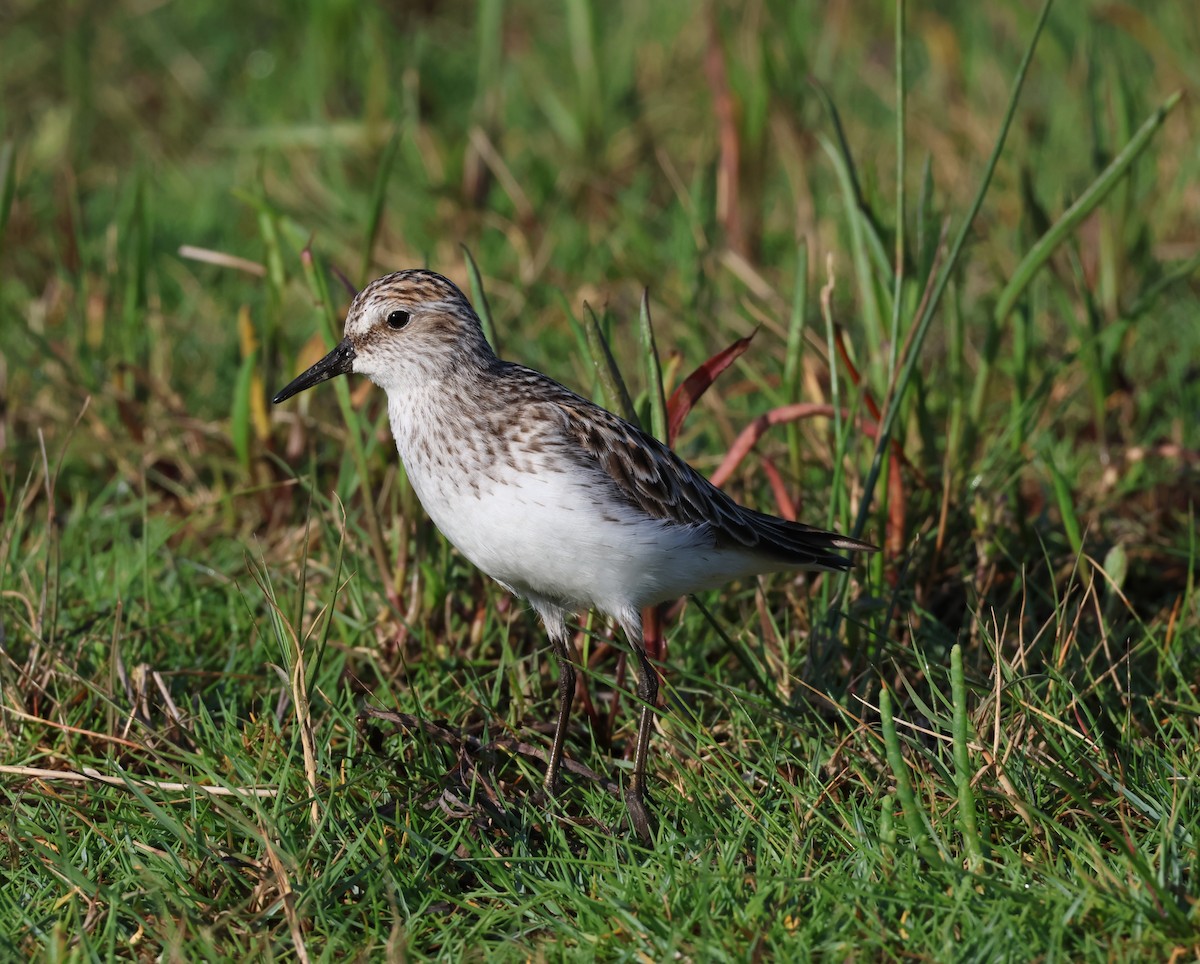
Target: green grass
(980, 745)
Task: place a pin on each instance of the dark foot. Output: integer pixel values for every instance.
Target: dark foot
(639, 816)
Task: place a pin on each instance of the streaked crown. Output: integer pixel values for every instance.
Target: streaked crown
(414, 324)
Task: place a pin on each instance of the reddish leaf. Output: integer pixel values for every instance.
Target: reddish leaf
(896, 504)
(745, 442)
(787, 508)
(697, 383)
(652, 633)
(750, 435)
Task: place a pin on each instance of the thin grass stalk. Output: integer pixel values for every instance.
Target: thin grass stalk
(925, 254)
(308, 747)
(116, 667)
(383, 174)
(654, 379)
(8, 187)
(926, 317)
(479, 300)
(144, 540)
(795, 334)
(578, 329)
(898, 273)
(581, 37)
(835, 390)
(276, 273)
(1066, 508)
(887, 826)
(1086, 203)
(135, 234)
(291, 649)
(955, 364)
(962, 763)
(612, 385)
(490, 56)
(1063, 227)
(871, 312)
(904, 793)
(387, 576)
(330, 604)
(822, 644)
(47, 614)
(795, 351)
(243, 390)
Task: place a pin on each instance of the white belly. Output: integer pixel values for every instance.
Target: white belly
(563, 535)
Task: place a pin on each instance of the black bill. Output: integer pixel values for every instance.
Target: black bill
(338, 362)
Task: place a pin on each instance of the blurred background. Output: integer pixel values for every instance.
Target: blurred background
(575, 149)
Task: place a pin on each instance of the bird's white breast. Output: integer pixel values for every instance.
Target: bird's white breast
(546, 525)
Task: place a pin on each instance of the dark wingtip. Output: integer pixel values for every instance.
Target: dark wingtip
(851, 545)
(805, 545)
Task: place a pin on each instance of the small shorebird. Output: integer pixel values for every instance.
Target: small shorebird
(558, 500)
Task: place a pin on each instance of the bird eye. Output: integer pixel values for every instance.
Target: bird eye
(397, 319)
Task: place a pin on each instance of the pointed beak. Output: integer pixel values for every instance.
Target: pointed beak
(337, 362)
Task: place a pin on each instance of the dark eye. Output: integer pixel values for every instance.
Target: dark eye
(397, 319)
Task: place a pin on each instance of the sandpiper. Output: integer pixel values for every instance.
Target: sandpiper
(558, 500)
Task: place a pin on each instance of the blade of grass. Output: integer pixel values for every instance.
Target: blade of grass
(378, 201)
(1083, 206)
(612, 385)
(794, 353)
(581, 36)
(335, 587)
(925, 318)
(962, 764)
(654, 379)
(292, 658)
(8, 187)
(917, 835)
(927, 233)
(898, 268)
(479, 300)
(1066, 508)
(319, 286)
(867, 290)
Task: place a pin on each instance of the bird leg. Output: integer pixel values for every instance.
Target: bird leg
(647, 691)
(564, 652)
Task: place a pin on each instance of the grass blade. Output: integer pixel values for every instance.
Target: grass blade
(8, 187)
(383, 174)
(917, 834)
(1086, 203)
(962, 764)
(925, 319)
(479, 300)
(654, 378)
(612, 385)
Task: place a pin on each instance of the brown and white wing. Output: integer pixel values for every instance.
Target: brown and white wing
(648, 475)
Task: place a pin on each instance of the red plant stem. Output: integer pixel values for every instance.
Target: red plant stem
(750, 435)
